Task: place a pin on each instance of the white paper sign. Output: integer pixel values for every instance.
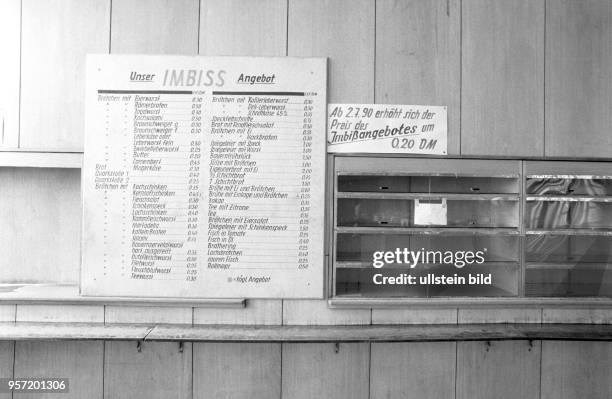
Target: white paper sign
(204, 177)
(430, 212)
(385, 128)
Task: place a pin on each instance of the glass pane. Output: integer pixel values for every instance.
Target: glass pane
(582, 280)
(566, 214)
(568, 265)
(361, 247)
(552, 187)
(428, 184)
(436, 281)
(568, 249)
(401, 213)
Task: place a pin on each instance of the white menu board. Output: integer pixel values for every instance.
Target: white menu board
(204, 177)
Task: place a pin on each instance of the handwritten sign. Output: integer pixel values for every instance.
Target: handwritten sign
(385, 128)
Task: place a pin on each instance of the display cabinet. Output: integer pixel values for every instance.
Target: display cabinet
(568, 236)
(446, 212)
(535, 228)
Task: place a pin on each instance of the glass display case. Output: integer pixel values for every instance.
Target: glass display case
(568, 237)
(438, 210)
(534, 228)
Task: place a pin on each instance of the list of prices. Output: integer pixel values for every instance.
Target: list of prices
(204, 177)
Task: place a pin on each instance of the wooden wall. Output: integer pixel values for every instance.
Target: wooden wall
(520, 78)
(461, 370)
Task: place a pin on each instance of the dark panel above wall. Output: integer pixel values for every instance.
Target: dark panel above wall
(579, 78)
(502, 87)
(418, 56)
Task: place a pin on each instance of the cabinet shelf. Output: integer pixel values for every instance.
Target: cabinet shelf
(570, 232)
(427, 196)
(567, 266)
(428, 230)
(576, 198)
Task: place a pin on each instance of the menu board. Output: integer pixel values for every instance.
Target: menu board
(204, 177)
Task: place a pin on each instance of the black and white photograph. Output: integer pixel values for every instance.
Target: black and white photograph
(306, 199)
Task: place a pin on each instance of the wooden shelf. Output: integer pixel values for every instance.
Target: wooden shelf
(56, 294)
(429, 230)
(363, 302)
(427, 196)
(40, 159)
(578, 266)
(369, 333)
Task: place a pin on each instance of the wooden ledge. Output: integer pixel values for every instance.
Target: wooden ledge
(58, 294)
(236, 333)
(40, 159)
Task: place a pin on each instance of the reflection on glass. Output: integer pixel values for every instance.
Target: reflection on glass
(563, 187)
(565, 215)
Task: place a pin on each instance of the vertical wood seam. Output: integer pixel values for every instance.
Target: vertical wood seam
(19, 100)
(198, 52)
(287, 29)
(374, 69)
(370, 369)
(456, 362)
(460, 78)
(540, 384)
(110, 26)
(544, 84)
(281, 370)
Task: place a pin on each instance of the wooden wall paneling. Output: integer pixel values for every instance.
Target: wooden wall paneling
(578, 78)
(248, 28)
(40, 215)
(414, 316)
(413, 370)
(576, 369)
(78, 361)
(155, 26)
(6, 363)
(343, 31)
(243, 27)
(56, 36)
(10, 36)
(498, 369)
(257, 311)
(418, 56)
(326, 370)
(7, 313)
(577, 316)
(147, 314)
(316, 312)
(237, 370)
(509, 315)
(315, 30)
(60, 313)
(158, 370)
(502, 87)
